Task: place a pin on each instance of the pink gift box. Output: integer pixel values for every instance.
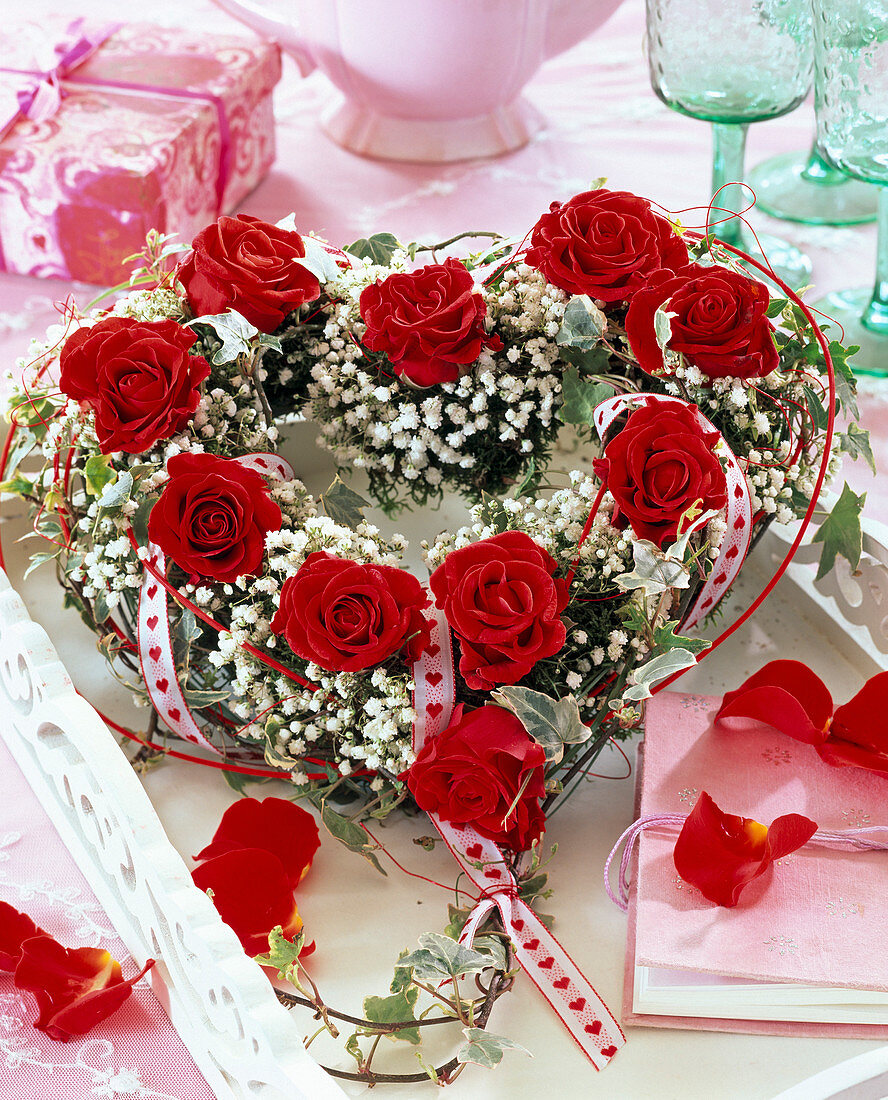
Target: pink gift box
(158, 129)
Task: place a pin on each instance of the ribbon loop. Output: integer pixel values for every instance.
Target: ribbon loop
(540, 955)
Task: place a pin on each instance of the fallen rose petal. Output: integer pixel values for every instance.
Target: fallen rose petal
(722, 853)
(786, 695)
(75, 988)
(252, 892)
(15, 928)
(276, 825)
(858, 734)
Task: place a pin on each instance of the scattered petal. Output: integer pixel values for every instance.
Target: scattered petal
(721, 853)
(786, 695)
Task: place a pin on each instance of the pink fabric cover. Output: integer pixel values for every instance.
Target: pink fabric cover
(136, 1052)
(817, 916)
(79, 191)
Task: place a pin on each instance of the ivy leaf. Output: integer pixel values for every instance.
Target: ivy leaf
(846, 380)
(18, 485)
(20, 449)
(187, 628)
(492, 513)
(552, 723)
(776, 307)
(841, 532)
(101, 610)
(403, 976)
(528, 480)
(665, 638)
(441, 957)
(675, 660)
(238, 781)
(486, 1049)
(856, 442)
(317, 259)
(581, 397)
(116, 493)
(235, 332)
(283, 955)
(457, 920)
(492, 946)
(654, 572)
(663, 328)
(377, 249)
(583, 324)
(199, 699)
(353, 1047)
(592, 362)
(396, 1009)
(343, 505)
(349, 834)
(97, 473)
(40, 558)
(139, 520)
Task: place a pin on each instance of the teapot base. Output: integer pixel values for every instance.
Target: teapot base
(364, 131)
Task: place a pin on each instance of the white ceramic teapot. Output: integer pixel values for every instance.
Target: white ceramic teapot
(426, 80)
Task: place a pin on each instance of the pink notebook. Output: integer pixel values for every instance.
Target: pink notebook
(805, 951)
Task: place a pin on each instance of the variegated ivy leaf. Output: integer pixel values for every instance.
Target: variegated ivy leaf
(238, 336)
(643, 679)
(283, 955)
(552, 723)
(663, 327)
(485, 1049)
(319, 261)
(440, 957)
(343, 505)
(655, 571)
(583, 324)
(116, 493)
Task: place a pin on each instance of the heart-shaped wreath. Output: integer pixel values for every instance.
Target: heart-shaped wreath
(283, 639)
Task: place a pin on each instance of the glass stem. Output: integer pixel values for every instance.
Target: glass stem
(875, 316)
(728, 155)
(819, 170)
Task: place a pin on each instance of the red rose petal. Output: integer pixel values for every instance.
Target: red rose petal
(788, 833)
(275, 824)
(15, 928)
(252, 893)
(786, 695)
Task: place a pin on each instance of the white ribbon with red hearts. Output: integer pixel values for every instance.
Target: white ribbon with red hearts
(739, 508)
(542, 957)
(155, 641)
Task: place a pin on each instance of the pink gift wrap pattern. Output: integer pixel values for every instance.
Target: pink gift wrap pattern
(817, 916)
(80, 190)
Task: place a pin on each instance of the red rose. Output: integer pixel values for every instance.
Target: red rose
(604, 244)
(718, 321)
(475, 771)
(249, 265)
(137, 377)
(213, 516)
(658, 466)
(428, 322)
(345, 616)
(503, 601)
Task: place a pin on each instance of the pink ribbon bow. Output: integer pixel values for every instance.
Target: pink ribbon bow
(40, 94)
(541, 956)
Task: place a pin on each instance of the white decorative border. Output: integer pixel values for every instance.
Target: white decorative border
(219, 1001)
(853, 605)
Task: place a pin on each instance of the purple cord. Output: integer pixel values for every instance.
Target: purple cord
(871, 838)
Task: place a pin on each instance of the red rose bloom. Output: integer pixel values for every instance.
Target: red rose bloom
(604, 244)
(345, 616)
(428, 322)
(251, 266)
(658, 466)
(718, 320)
(213, 516)
(472, 773)
(136, 376)
(502, 599)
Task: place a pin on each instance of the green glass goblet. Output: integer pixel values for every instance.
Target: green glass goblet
(851, 102)
(804, 187)
(732, 64)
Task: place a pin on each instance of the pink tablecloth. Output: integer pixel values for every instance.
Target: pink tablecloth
(136, 1052)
